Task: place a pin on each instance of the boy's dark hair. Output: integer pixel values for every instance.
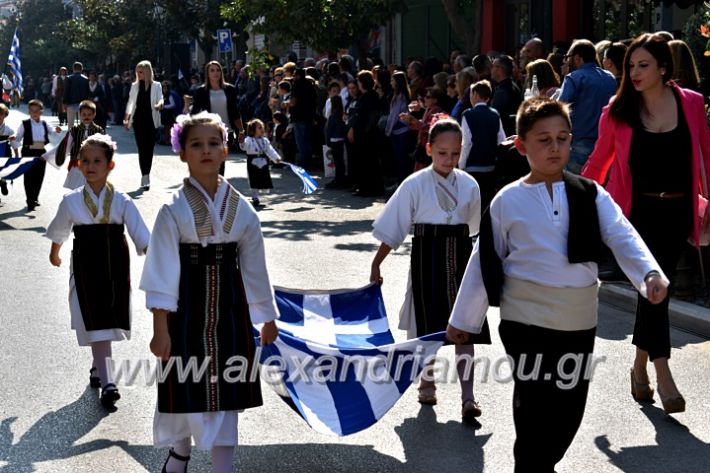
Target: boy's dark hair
(483, 89)
(280, 118)
(87, 104)
(442, 125)
(36, 103)
(336, 105)
(366, 79)
(108, 150)
(535, 109)
(251, 126)
(333, 85)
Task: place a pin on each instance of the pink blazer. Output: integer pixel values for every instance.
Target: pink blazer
(612, 152)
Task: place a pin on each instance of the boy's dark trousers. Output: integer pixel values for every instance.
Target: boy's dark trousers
(546, 415)
(338, 148)
(34, 177)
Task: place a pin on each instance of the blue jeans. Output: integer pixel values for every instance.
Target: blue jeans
(302, 132)
(581, 149)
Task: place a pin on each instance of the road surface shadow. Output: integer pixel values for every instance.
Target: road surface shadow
(676, 449)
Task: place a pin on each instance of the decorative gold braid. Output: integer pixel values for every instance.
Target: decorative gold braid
(203, 220)
(108, 200)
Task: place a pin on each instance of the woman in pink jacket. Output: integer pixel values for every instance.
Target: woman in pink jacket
(652, 137)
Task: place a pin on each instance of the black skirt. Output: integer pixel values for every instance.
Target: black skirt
(440, 254)
(259, 178)
(211, 328)
(100, 263)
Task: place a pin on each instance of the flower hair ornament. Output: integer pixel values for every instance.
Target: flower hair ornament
(101, 138)
(179, 126)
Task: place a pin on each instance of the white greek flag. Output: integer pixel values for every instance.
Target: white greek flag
(335, 361)
(12, 168)
(13, 61)
(309, 185)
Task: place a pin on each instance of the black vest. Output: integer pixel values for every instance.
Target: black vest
(484, 122)
(584, 240)
(28, 139)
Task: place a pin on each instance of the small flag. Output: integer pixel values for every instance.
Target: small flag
(309, 185)
(13, 61)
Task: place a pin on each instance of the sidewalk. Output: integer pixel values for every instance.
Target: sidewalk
(683, 315)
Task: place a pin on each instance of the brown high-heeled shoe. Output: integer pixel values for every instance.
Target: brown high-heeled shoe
(672, 405)
(641, 392)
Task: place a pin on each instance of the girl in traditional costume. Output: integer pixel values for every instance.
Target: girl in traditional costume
(206, 282)
(444, 205)
(100, 284)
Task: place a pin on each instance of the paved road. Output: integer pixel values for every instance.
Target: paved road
(51, 422)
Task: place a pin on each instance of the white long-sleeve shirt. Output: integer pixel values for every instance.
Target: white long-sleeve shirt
(530, 236)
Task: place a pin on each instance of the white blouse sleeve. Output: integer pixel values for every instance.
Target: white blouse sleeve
(469, 311)
(60, 228)
(271, 152)
(136, 227)
(392, 226)
(161, 272)
(629, 249)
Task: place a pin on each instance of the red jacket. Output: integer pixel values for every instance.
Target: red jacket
(612, 152)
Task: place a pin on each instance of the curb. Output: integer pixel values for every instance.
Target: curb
(683, 315)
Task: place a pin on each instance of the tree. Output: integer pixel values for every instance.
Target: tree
(325, 25)
(467, 28)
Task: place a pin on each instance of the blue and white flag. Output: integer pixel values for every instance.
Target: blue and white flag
(335, 361)
(12, 168)
(309, 185)
(13, 61)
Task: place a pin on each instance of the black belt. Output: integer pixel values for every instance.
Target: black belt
(431, 230)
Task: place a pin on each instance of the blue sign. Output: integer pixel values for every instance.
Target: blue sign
(224, 39)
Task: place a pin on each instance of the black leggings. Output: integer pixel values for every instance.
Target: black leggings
(145, 140)
(664, 225)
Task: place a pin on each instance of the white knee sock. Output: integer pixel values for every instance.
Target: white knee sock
(182, 448)
(222, 459)
(102, 355)
(255, 194)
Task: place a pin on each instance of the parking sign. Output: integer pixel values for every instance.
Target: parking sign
(224, 38)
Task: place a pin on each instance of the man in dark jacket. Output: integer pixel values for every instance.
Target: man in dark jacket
(76, 89)
(507, 96)
(302, 107)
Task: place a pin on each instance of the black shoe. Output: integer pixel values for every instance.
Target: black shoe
(31, 207)
(109, 396)
(3, 187)
(255, 202)
(172, 453)
(94, 381)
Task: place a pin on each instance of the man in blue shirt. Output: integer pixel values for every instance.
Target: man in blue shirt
(587, 89)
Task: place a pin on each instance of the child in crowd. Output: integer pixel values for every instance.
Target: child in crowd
(99, 286)
(285, 143)
(207, 260)
(335, 134)
(258, 148)
(5, 133)
(77, 134)
(32, 137)
(536, 258)
(444, 205)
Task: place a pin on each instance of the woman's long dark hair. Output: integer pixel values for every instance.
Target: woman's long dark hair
(401, 86)
(628, 101)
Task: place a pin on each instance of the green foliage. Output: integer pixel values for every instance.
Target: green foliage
(325, 25)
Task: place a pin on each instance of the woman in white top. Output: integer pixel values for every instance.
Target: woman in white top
(145, 100)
